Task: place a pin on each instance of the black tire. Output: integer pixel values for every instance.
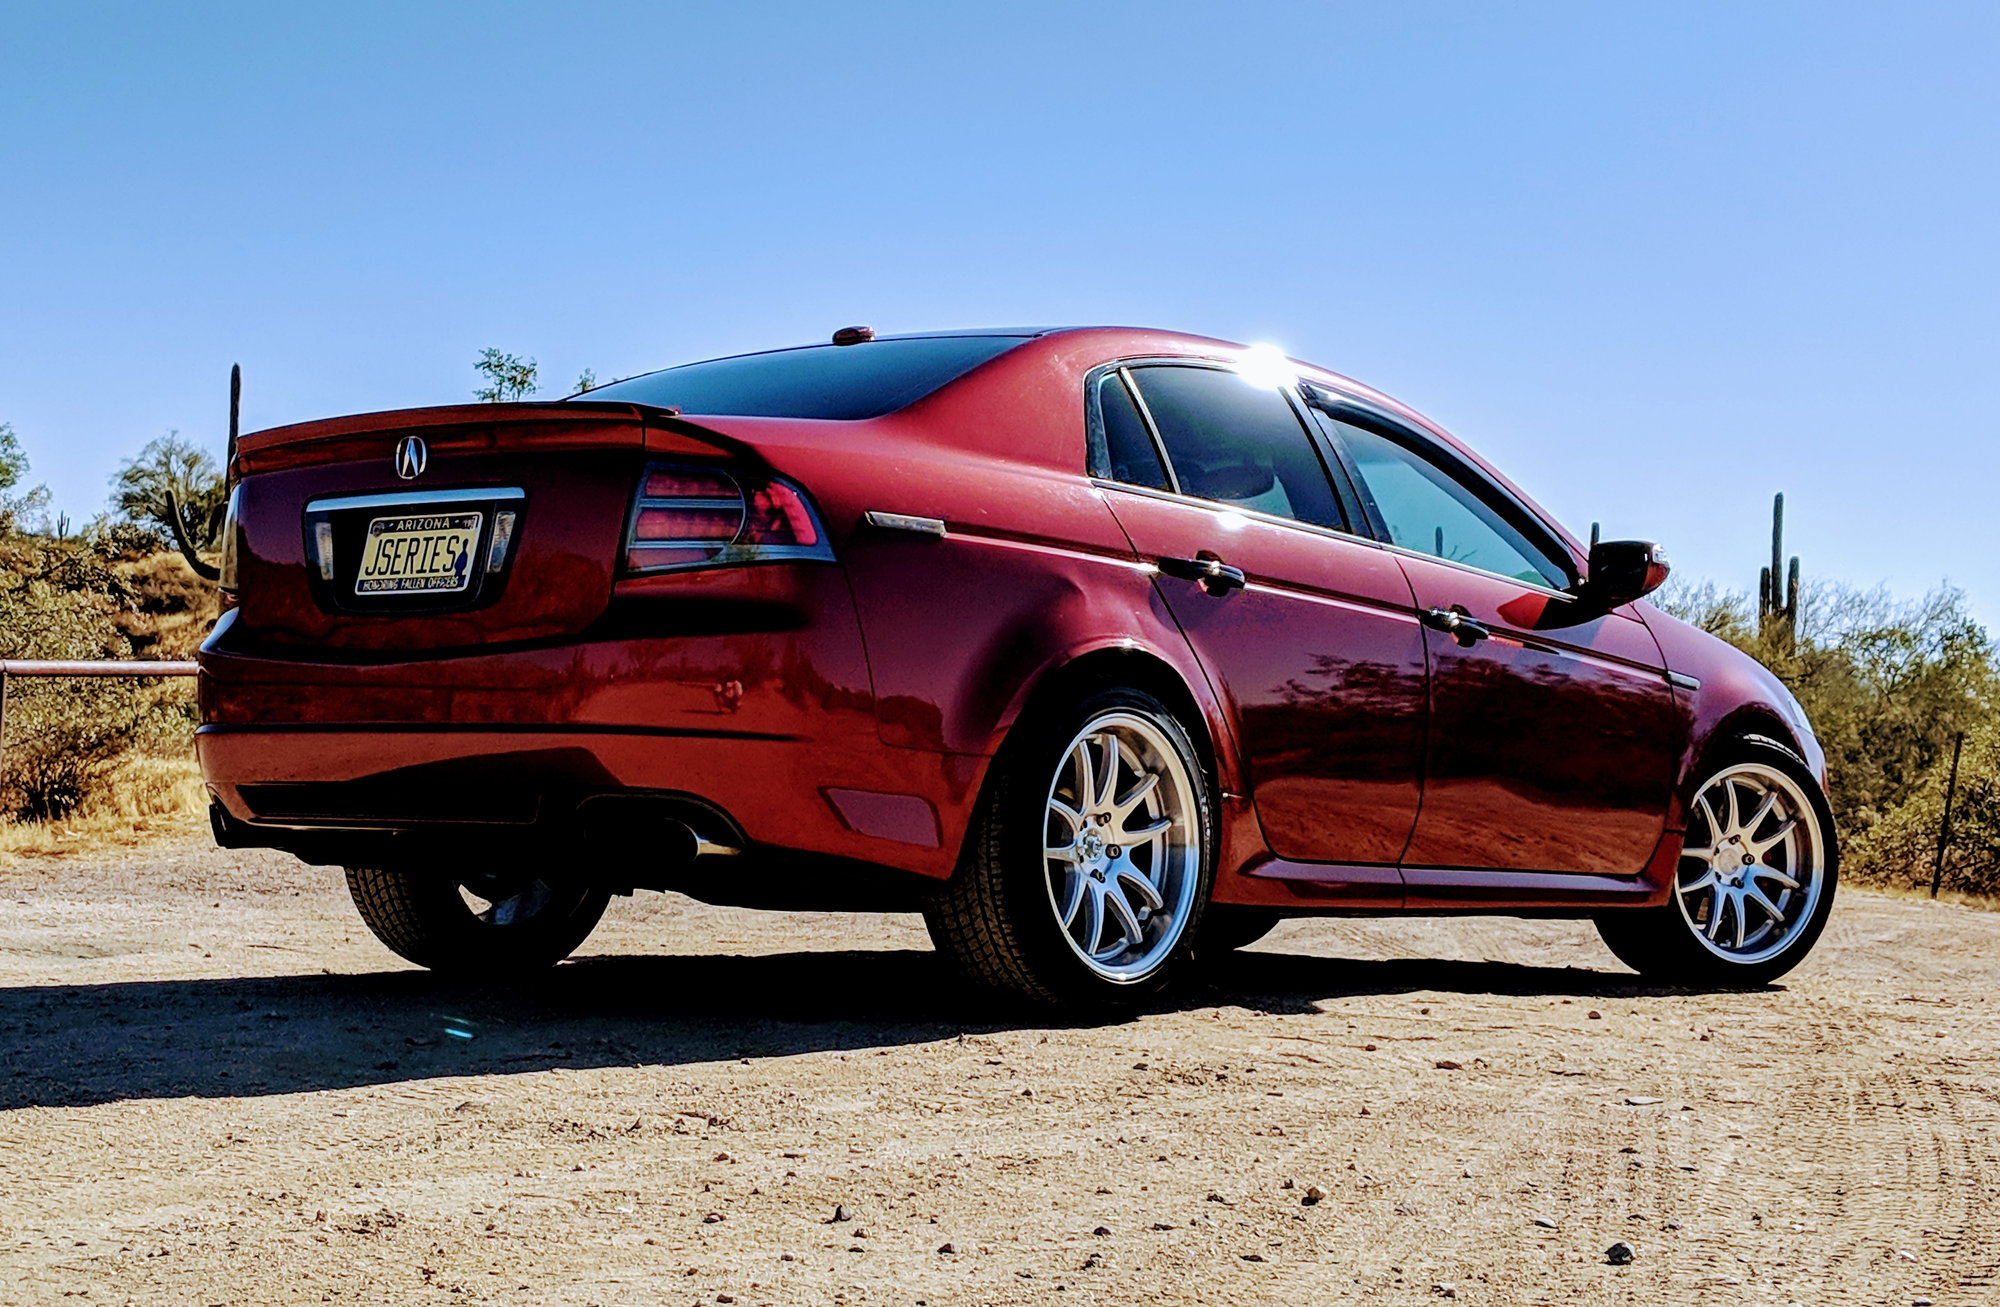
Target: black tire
(997, 919)
(1227, 927)
(1664, 943)
(422, 915)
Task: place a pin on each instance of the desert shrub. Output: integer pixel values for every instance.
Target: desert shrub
(1719, 612)
(167, 609)
(1901, 847)
(1887, 683)
(83, 600)
(65, 737)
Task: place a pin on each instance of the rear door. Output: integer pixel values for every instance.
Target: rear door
(1553, 736)
(1306, 631)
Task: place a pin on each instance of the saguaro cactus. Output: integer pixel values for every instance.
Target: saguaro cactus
(177, 516)
(1778, 586)
(235, 419)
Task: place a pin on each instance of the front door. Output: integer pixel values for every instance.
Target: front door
(1553, 739)
(1305, 631)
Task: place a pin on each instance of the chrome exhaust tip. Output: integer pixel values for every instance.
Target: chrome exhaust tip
(683, 844)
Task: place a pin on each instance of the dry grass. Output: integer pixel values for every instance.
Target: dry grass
(146, 797)
(1982, 902)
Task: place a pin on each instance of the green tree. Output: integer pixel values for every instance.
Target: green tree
(14, 508)
(13, 460)
(586, 381)
(172, 473)
(508, 377)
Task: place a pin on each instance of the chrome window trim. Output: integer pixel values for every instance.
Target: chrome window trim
(1298, 391)
(1313, 528)
(1478, 571)
(1454, 464)
(1254, 514)
(1145, 410)
(410, 498)
(1124, 367)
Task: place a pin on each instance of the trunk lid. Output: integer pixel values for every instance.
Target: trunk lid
(424, 531)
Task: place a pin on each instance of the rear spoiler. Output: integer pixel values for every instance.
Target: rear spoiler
(466, 427)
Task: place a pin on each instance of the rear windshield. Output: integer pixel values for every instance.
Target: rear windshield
(846, 382)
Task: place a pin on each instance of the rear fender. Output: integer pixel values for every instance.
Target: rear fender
(1167, 670)
(1120, 660)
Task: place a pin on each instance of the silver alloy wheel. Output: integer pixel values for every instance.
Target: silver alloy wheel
(1122, 846)
(1753, 864)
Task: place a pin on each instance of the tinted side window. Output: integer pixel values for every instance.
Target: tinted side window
(1237, 443)
(1128, 445)
(1429, 511)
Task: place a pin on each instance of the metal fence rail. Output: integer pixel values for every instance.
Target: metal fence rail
(12, 667)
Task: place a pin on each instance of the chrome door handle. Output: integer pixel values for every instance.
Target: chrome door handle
(1461, 627)
(1212, 574)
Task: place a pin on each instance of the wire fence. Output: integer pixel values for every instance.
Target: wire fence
(128, 667)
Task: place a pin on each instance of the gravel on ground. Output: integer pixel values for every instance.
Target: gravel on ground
(216, 1087)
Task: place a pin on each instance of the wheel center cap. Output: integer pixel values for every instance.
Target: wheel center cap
(1730, 860)
(1091, 846)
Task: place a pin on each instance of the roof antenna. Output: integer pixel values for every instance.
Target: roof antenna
(853, 335)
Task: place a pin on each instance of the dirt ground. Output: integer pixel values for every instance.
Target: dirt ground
(215, 1087)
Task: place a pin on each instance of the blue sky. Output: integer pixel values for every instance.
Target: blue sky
(1658, 261)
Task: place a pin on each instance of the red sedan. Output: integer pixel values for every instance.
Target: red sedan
(1103, 648)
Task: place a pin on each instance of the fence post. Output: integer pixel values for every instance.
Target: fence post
(1944, 825)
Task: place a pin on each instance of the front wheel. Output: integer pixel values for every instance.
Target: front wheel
(478, 923)
(1754, 884)
(1089, 863)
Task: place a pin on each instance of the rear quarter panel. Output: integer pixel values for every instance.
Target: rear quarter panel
(1032, 573)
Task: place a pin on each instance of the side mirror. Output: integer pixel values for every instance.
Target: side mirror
(1621, 571)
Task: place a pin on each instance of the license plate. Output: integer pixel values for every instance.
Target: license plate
(419, 554)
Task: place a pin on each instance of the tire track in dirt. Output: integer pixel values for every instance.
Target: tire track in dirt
(1447, 1082)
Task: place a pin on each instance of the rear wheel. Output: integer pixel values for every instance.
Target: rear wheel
(483, 923)
(1087, 869)
(1755, 881)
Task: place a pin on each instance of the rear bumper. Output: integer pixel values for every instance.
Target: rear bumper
(292, 787)
(745, 693)
(742, 691)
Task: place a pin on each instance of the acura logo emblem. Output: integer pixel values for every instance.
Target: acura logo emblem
(411, 456)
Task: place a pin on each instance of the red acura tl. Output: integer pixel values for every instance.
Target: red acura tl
(1102, 647)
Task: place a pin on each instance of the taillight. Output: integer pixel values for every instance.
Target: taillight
(696, 516)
